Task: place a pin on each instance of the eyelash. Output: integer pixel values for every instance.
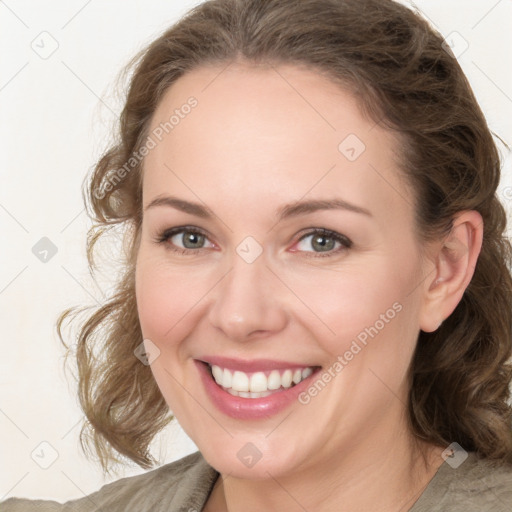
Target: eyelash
(164, 237)
(169, 233)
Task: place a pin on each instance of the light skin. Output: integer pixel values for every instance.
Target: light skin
(253, 144)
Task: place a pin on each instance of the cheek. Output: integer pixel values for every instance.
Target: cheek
(167, 303)
(169, 300)
(351, 309)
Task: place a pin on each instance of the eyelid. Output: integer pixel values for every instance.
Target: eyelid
(326, 232)
(345, 242)
(178, 229)
(166, 234)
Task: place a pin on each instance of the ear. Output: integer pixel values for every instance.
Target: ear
(454, 264)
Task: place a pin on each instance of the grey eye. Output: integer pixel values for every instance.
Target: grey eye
(188, 240)
(319, 243)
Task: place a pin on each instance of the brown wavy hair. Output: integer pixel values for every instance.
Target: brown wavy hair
(398, 68)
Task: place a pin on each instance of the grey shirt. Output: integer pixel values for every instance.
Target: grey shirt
(184, 486)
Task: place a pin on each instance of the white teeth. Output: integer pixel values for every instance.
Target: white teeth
(245, 394)
(258, 382)
(257, 385)
(274, 380)
(227, 378)
(286, 379)
(218, 373)
(306, 373)
(240, 381)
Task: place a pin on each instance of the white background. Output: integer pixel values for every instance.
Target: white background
(56, 115)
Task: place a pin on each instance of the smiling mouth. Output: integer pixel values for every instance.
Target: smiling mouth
(259, 384)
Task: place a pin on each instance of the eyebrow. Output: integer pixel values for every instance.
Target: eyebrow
(180, 204)
(287, 211)
(304, 207)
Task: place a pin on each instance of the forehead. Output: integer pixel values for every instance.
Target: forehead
(282, 129)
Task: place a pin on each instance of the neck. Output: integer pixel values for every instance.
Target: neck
(383, 476)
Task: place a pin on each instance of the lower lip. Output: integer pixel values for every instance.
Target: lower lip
(249, 408)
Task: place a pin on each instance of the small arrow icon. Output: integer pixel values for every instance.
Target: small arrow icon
(455, 44)
(146, 352)
(249, 249)
(44, 45)
(351, 147)
(44, 455)
(44, 250)
(249, 455)
(454, 455)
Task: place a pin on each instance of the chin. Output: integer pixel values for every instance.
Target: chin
(247, 458)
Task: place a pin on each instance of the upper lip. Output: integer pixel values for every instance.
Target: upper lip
(252, 365)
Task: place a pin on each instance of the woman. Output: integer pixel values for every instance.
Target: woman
(317, 280)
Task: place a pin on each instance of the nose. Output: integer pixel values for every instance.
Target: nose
(247, 302)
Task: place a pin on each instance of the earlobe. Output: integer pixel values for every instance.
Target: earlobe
(454, 266)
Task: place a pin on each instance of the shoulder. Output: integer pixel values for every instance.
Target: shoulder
(181, 485)
(477, 485)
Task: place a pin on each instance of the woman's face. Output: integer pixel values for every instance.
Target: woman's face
(278, 247)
